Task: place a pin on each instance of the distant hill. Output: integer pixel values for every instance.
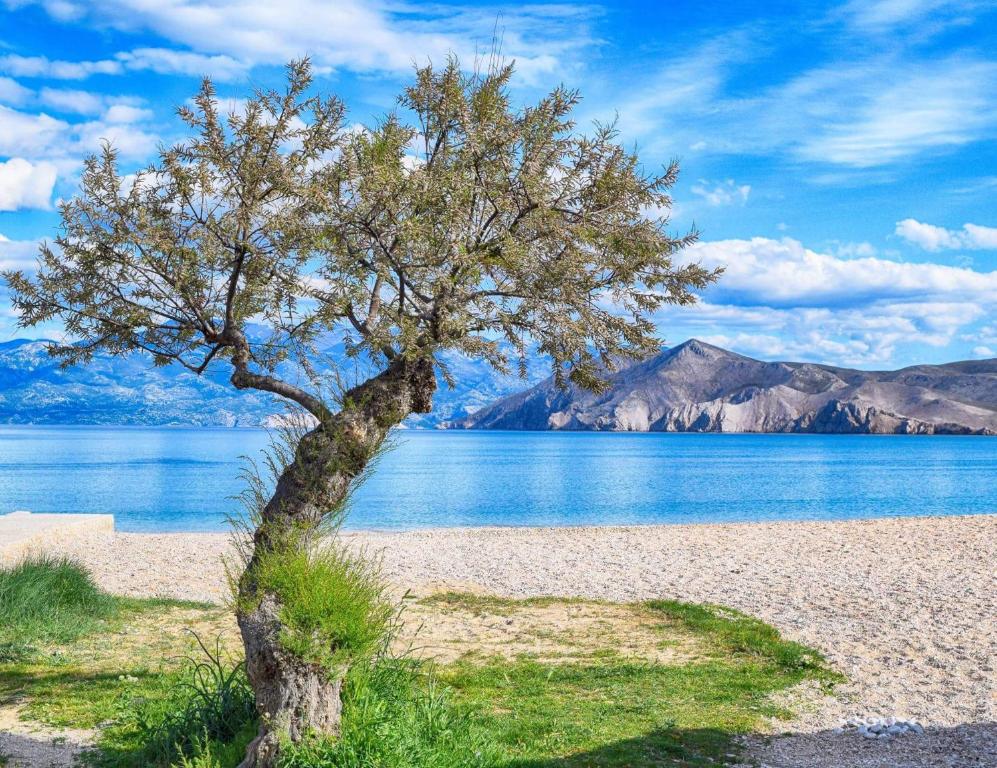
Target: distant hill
(131, 391)
(697, 387)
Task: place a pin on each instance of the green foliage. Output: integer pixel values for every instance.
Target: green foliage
(48, 600)
(395, 715)
(615, 713)
(602, 710)
(334, 609)
(211, 753)
(208, 707)
(735, 632)
(460, 221)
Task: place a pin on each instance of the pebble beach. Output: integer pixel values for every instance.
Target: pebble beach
(905, 608)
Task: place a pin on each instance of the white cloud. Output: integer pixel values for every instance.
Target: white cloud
(41, 66)
(854, 250)
(722, 193)
(130, 141)
(874, 111)
(224, 39)
(880, 117)
(872, 335)
(785, 273)
(934, 238)
(126, 113)
(165, 61)
(73, 101)
(26, 185)
(12, 92)
(982, 351)
(28, 135)
(780, 300)
(18, 254)
(886, 16)
(40, 137)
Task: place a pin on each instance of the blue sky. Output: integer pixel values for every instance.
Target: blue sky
(839, 158)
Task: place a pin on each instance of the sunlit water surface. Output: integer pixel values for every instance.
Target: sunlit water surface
(179, 479)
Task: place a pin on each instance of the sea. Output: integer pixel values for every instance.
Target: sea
(186, 479)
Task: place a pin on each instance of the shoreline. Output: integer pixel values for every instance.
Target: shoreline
(347, 531)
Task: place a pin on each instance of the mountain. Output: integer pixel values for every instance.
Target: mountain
(696, 387)
(131, 391)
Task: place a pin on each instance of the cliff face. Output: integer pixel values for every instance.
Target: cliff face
(696, 387)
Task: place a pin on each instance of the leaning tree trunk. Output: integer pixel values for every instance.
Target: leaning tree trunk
(295, 697)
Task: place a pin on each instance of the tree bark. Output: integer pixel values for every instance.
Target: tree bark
(294, 697)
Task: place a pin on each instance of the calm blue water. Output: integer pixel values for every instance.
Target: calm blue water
(169, 479)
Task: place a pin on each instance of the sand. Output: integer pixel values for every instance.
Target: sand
(905, 607)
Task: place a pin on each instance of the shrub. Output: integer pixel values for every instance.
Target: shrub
(48, 600)
(334, 606)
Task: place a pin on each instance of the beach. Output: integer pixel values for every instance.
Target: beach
(905, 607)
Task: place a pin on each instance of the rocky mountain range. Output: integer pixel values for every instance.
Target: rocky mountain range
(131, 391)
(697, 387)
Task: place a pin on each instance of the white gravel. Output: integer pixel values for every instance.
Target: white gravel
(905, 607)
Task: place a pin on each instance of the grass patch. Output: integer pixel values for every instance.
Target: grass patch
(605, 709)
(477, 605)
(397, 715)
(617, 713)
(333, 605)
(207, 709)
(48, 600)
(731, 631)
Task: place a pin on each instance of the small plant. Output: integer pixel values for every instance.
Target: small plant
(334, 606)
(210, 708)
(396, 714)
(48, 600)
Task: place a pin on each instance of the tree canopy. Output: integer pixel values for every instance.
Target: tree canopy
(457, 222)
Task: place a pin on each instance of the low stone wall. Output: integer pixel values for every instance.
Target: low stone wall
(22, 533)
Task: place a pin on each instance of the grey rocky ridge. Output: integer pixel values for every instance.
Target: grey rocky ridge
(697, 387)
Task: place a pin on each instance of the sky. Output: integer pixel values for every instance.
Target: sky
(840, 159)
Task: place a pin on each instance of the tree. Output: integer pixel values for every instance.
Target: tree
(460, 223)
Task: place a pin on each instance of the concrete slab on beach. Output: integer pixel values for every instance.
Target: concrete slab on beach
(24, 532)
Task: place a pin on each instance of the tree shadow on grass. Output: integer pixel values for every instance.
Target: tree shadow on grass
(968, 745)
(691, 747)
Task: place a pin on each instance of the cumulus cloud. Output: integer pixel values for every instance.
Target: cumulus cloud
(26, 185)
(722, 193)
(49, 142)
(72, 101)
(933, 238)
(165, 61)
(28, 135)
(785, 273)
(781, 300)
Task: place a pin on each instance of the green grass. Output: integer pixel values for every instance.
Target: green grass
(47, 600)
(604, 710)
(397, 715)
(622, 713)
(333, 605)
(730, 631)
